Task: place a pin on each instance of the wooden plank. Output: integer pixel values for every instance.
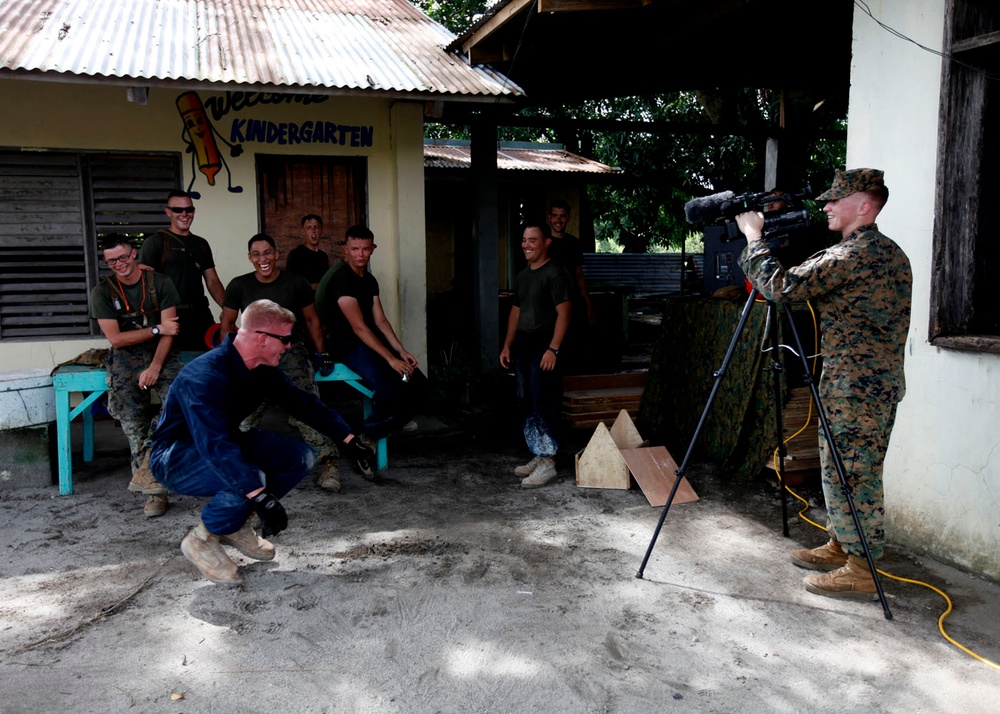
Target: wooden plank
(600, 464)
(604, 381)
(654, 470)
(624, 433)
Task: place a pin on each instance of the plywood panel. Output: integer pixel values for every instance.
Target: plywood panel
(654, 470)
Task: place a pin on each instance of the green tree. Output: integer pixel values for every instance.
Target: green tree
(722, 147)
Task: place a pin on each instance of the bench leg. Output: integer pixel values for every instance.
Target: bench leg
(88, 433)
(382, 447)
(63, 452)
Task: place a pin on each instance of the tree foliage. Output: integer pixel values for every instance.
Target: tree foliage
(723, 147)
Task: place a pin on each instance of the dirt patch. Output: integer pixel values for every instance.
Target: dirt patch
(447, 588)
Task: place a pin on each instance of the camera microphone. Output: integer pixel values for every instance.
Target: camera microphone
(708, 209)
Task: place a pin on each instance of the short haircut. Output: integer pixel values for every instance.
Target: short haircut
(113, 240)
(359, 231)
(311, 217)
(261, 237)
(559, 203)
(177, 193)
(879, 196)
(536, 223)
(263, 313)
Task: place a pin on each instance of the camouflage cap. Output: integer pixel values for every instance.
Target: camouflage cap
(852, 181)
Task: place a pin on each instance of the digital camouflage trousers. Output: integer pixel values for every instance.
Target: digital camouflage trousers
(137, 410)
(861, 432)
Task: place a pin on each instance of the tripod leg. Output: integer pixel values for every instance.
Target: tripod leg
(779, 435)
(838, 464)
(681, 470)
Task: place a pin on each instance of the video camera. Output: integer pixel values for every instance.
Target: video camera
(788, 231)
(722, 208)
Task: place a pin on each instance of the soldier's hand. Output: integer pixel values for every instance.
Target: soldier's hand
(171, 326)
(273, 518)
(323, 363)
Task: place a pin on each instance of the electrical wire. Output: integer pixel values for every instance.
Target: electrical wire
(807, 506)
(863, 6)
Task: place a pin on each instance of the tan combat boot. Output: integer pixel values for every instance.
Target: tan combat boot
(829, 556)
(204, 550)
(156, 505)
(329, 480)
(247, 541)
(854, 581)
(143, 481)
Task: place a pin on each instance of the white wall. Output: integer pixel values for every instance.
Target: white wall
(50, 115)
(942, 474)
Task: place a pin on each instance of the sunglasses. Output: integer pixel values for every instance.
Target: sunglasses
(285, 339)
(181, 209)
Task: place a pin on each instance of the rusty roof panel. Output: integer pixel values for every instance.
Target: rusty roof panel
(458, 156)
(359, 45)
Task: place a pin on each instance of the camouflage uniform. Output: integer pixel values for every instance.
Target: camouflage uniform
(131, 406)
(862, 288)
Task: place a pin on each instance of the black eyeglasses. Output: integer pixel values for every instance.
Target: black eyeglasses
(285, 339)
(181, 209)
(111, 262)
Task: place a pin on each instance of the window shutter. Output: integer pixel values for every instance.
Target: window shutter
(43, 273)
(54, 209)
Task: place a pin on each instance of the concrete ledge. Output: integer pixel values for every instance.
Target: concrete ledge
(27, 399)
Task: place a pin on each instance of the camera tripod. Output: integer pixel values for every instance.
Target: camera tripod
(775, 368)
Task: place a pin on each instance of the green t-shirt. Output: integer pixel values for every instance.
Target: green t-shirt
(136, 302)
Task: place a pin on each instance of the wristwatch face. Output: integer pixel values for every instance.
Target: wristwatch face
(156, 331)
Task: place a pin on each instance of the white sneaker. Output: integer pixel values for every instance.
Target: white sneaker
(526, 469)
(544, 473)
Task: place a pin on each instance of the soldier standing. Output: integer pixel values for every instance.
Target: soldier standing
(136, 310)
(187, 260)
(862, 286)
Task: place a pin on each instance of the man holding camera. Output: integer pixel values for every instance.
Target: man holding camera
(199, 449)
(862, 286)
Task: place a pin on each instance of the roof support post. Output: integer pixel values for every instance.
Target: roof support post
(486, 241)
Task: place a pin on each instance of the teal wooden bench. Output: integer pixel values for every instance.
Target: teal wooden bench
(91, 383)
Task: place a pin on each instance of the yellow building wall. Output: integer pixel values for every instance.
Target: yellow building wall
(51, 115)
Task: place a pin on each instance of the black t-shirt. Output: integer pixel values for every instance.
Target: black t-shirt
(310, 264)
(537, 292)
(290, 291)
(183, 259)
(364, 288)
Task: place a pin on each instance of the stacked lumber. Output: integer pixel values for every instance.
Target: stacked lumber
(803, 450)
(590, 399)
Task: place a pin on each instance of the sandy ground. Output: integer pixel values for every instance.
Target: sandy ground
(447, 588)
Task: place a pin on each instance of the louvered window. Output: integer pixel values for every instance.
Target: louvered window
(54, 209)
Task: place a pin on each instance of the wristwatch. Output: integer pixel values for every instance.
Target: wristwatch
(554, 351)
(156, 330)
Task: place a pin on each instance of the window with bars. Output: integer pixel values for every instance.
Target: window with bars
(55, 207)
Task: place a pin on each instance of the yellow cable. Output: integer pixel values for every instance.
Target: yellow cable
(801, 514)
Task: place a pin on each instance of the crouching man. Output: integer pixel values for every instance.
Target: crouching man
(199, 450)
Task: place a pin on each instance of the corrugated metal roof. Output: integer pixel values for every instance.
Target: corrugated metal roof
(454, 155)
(350, 45)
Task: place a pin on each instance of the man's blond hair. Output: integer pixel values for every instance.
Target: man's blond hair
(266, 313)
